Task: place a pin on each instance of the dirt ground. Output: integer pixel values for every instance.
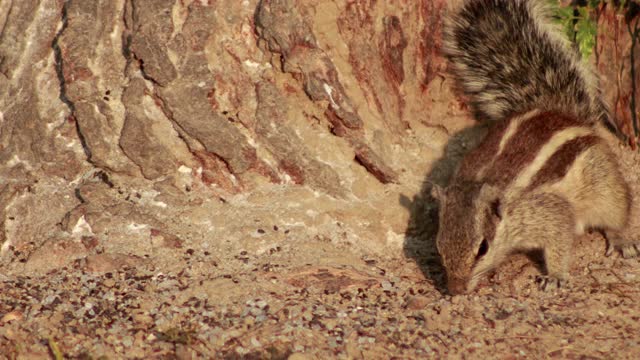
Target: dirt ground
(280, 292)
(281, 304)
(275, 276)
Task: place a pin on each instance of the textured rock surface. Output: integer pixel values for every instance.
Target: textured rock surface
(224, 177)
(336, 106)
(613, 61)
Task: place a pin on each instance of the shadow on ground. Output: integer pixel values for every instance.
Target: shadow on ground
(419, 243)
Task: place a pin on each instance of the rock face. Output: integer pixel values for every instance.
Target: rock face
(619, 77)
(121, 118)
(197, 119)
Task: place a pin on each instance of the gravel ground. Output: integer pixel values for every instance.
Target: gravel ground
(270, 307)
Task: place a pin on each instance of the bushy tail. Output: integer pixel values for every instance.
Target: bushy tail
(508, 58)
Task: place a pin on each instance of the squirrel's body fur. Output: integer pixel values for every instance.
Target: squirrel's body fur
(543, 174)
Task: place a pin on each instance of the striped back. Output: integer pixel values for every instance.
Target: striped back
(527, 151)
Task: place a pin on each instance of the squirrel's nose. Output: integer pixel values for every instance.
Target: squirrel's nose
(457, 286)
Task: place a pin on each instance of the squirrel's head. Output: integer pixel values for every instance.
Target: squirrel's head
(470, 214)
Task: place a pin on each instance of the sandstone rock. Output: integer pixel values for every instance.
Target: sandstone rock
(161, 239)
(611, 59)
(91, 78)
(102, 263)
(55, 254)
(331, 279)
(417, 302)
(12, 316)
(148, 137)
(286, 146)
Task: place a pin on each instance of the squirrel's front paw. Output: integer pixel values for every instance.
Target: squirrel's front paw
(627, 250)
(625, 242)
(550, 283)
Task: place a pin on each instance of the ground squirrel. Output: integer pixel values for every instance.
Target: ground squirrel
(543, 174)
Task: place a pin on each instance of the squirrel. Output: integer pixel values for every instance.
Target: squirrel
(544, 173)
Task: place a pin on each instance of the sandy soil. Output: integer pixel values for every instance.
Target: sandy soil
(274, 306)
(311, 299)
(267, 289)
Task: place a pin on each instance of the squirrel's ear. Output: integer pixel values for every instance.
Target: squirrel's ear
(437, 192)
(496, 209)
(491, 195)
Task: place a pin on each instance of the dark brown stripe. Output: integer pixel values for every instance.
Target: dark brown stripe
(484, 153)
(558, 164)
(525, 144)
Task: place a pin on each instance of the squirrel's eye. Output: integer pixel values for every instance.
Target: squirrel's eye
(484, 247)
